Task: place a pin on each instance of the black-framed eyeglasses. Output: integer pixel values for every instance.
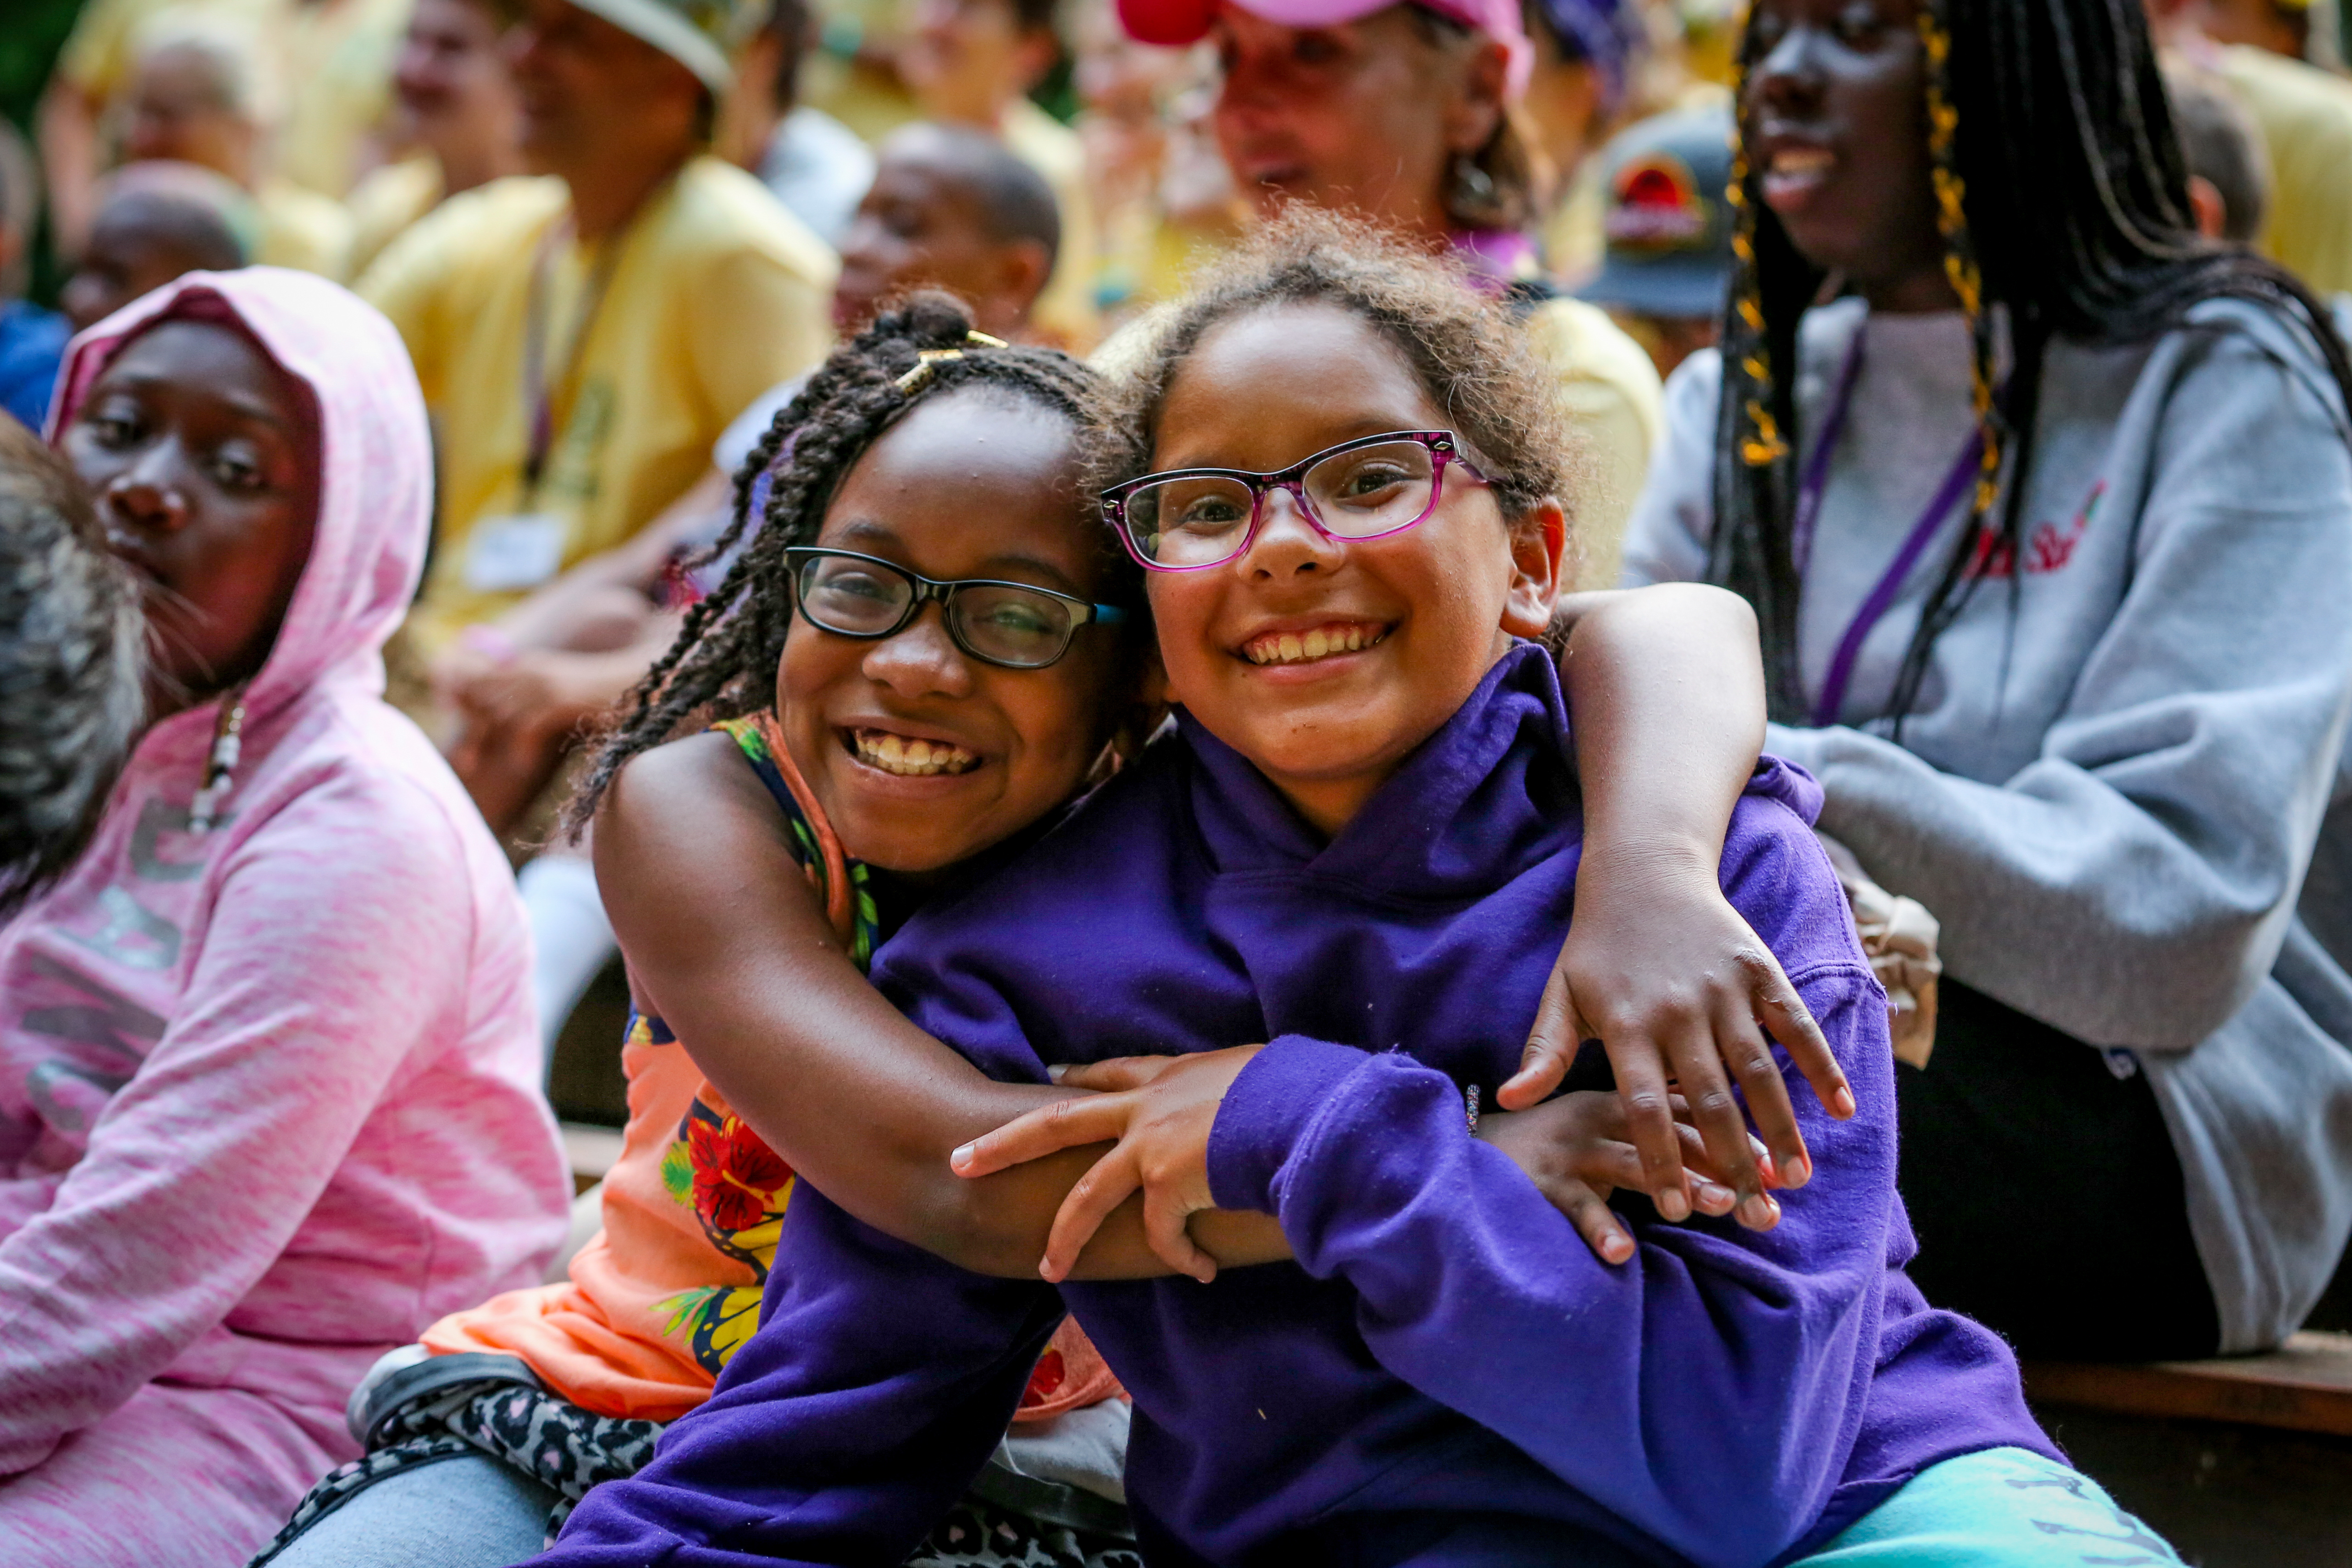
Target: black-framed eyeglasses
(1188, 519)
(1012, 625)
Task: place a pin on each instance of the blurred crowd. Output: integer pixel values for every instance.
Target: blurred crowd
(616, 238)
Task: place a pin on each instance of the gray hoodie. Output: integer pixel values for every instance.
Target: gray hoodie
(2128, 744)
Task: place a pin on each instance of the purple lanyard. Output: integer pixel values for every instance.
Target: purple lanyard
(1808, 506)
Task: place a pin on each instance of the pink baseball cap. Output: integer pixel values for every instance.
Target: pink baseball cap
(1177, 23)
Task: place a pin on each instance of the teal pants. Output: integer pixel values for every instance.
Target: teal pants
(2004, 1508)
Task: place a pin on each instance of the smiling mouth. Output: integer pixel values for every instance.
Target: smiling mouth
(909, 756)
(1323, 642)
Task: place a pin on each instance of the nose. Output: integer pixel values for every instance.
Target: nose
(147, 496)
(1789, 77)
(1288, 545)
(920, 660)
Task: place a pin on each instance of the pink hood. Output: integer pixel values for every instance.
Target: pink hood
(375, 494)
(269, 1094)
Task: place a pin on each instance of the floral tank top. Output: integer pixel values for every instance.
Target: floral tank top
(659, 1298)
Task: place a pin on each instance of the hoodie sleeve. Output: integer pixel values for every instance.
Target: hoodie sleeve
(1717, 1379)
(844, 1428)
(2132, 884)
(318, 976)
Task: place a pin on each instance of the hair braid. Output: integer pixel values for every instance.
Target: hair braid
(723, 663)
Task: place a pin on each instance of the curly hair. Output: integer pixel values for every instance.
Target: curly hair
(70, 662)
(2061, 196)
(723, 663)
(1498, 395)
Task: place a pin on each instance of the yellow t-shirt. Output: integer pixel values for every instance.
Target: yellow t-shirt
(107, 35)
(2305, 116)
(713, 294)
(1610, 391)
(1066, 311)
(337, 62)
(302, 229)
(385, 203)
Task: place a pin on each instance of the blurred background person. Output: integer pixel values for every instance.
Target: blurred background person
(154, 222)
(196, 97)
(327, 63)
(70, 666)
(950, 208)
(974, 62)
(32, 341)
(2228, 180)
(583, 337)
(455, 110)
(1581, 87)
(811, 162)
(2281, 27)
(2304, 115)
(1405, 114)
(1666, 270)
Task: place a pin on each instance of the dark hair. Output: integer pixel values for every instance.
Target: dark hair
(2223, 146)
(2061, 196)
(1013, 198)
(788, 22)
(723, 663)
(1463, 348)
(69, 665)
(1493, 187)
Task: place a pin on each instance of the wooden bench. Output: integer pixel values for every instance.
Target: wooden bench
(2305, 1386)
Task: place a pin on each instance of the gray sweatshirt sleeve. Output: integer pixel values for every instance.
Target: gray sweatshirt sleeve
(1666, 537)
(2132, 883)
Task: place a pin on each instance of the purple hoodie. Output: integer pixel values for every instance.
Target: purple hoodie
(1448, 1375)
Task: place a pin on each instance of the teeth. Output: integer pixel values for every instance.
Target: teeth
(1293, 648)
(914, 758)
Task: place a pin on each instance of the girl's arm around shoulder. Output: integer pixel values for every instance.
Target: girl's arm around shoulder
(725, 940)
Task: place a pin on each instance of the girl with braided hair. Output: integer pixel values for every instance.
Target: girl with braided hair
(2045, 516)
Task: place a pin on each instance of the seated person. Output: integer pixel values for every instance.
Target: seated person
(1666, 270)
(658, 1303)
(950, 208)
(267, 1086)
(69, 665)
(154, 222)
(1359, 839)
(194, 98)
(32, 341)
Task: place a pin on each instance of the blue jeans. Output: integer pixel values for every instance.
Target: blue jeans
(468, 1512)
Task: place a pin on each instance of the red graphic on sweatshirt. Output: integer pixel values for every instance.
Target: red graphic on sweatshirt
(736, 1175)
(2048, 548)
(1051, 1374)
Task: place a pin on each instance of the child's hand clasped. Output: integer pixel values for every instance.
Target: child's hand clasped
(1677, 987)
(1158, 1112)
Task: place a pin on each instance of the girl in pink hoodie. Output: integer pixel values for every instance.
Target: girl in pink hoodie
(269, 1099)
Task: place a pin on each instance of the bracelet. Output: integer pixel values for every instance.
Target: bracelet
(1470, 1107)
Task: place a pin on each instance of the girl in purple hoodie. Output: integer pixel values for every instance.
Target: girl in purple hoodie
(1356, 851)
(268, 1074)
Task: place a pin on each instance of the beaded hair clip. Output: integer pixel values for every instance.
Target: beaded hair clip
(928, 360)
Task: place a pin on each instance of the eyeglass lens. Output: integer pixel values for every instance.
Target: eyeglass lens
(1012, 625)
(1356, 494)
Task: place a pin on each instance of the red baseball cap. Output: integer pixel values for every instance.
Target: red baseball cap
(1177, 23)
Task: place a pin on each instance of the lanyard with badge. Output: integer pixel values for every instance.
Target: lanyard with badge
(1881, 598)
(525, 548)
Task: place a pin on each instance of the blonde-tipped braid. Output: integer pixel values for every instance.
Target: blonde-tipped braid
(1761, 445)
(1960, 267)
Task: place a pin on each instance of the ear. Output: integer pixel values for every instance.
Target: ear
(1470, 122)
(1539, 557)
(1022, 269)
(2205, 204)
